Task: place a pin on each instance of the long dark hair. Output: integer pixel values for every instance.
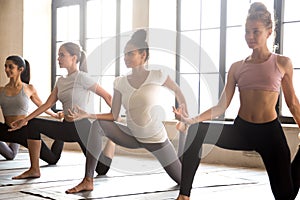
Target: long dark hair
(21, 62)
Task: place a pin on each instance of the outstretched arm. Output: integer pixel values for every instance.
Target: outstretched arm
(102, 93)
(216, 110)
(50, 101)
(78, 113)
(37, 101)
(115, 108)
(169, 83)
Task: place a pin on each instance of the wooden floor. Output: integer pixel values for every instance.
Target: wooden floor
(130, 178)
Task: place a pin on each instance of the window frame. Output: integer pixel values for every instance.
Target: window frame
(278, 11)
(82, 34)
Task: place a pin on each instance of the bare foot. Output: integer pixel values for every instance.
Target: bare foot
(31, 173)
(183, 197)
(87, 184)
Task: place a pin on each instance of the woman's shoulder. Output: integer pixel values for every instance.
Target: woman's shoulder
(284, 64)
(119, 81)
(120, 78)
(82, 73)
(282, 60)
(236, 65)
(239, 62)
(28, 86)
(157, 71)
(59, 78)
(29, 89)
(158, 74)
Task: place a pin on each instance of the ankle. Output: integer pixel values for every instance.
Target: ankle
(88, 179)
(183, 197)
(34, 169)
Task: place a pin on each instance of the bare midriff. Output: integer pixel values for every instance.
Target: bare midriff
(10, 119)
(258, 106)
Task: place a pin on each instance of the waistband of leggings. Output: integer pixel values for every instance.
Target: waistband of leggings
(238, 118)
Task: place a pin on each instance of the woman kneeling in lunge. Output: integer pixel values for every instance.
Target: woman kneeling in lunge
(138, 92)
(259, 78)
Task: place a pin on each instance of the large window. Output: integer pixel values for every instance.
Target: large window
(92, 24)
(200, 22)
(162, 28)
(217, 27)
(210, 37)
(290, 37)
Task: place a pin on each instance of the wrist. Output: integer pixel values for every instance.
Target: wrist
(25, 120)
(185, 120)
(91, 116)
(190, 121)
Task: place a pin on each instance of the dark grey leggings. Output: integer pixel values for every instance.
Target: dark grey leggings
(9, 151)
(121, 135)
(267, 139)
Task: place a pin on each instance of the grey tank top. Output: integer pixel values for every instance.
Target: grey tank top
(14, 105)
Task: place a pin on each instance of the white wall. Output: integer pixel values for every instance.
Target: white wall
(216, 155)
(37, 44)
(140, 18)
(26, 30)
(11, 33)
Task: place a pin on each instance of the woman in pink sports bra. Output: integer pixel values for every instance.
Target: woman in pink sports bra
(256, 128)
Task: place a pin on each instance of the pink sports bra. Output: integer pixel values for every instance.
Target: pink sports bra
(261, 76)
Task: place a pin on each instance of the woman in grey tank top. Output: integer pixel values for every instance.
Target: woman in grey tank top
(14, 102)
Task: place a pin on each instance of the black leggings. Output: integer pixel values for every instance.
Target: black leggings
(267, 139)
(20, 136)
(77, 131)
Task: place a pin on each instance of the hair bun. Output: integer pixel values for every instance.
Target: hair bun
(257, 7)
(139, 35)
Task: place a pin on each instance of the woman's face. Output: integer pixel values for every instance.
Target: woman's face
(11, 69)
(65, 59)
(256, 34)
(132, 57)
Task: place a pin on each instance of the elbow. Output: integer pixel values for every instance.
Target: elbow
(115, 118)
(220, 109)
(47, 105)
(109, 100)
(293, 107)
